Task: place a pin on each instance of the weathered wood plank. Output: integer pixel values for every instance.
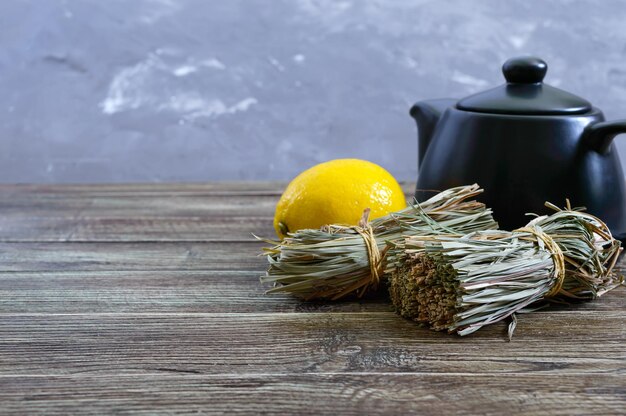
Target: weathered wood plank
(315, 394)
(156, 291)
(201, 212)
(123, 343)
(158, 189)
(131, 256)
(42, 257)
(140, 212)
(192, 291)
(114, 189)
(135, 229)
(79, 206)
(150, 312)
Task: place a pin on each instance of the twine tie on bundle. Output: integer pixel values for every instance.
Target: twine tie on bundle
(557, 257)
(373, 253)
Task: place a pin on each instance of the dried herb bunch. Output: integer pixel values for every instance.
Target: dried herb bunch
(463, 284)
(337, 260)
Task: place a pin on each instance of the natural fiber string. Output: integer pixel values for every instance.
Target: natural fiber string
(375, 258)
(374, 255)
(557, 257)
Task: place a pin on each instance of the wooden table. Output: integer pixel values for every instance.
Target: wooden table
(145, 298)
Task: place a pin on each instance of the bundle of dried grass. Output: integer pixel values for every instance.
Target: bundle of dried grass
(463, 284)
(338, 261)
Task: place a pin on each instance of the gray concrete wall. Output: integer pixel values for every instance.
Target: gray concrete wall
(172, 90)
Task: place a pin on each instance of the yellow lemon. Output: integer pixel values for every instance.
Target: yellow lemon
(337, 192)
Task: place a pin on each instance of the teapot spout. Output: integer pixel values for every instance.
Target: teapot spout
(427, 115)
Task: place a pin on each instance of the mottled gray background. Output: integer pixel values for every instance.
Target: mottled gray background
(171, 90)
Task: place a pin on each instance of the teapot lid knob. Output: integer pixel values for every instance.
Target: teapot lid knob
(525, 93)
(524, 70)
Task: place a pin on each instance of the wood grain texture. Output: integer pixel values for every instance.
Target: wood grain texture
(192, 291)
(138, 205)
(131, 256)
(160, 291)
(158, 189)
(138, 213)
(146, 299)
(139, 229)
(315, 394)
(220, 343)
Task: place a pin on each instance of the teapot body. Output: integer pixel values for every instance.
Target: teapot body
(522, 162)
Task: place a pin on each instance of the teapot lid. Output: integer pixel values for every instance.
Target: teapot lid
(525, 93)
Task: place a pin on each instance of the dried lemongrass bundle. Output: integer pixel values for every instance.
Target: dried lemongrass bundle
(338, 261)
(463, 284)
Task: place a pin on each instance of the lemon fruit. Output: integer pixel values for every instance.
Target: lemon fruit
(337, 192)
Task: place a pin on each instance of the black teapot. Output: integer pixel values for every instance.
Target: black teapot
(525, 143)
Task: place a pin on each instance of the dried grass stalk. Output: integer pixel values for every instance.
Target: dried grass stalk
(463, 284)
(338, 261)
